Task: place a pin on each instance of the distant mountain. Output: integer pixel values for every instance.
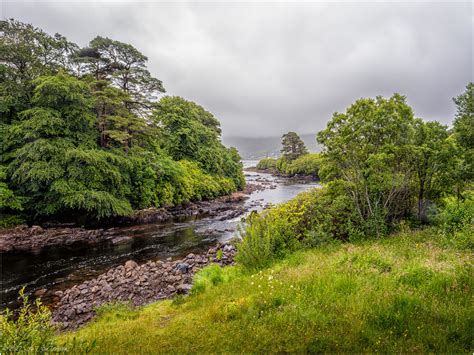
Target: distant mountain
(256, 148)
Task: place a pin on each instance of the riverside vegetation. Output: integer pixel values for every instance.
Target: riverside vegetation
(295, 159)
(84, 134)
(379, 259)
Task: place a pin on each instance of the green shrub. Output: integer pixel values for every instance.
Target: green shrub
(267, 164)
(307, 164)
(456, 222)
(312, 218)
(30, 332)
(8, 221)
(282, 165)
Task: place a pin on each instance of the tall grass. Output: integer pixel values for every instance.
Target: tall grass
(406, 293)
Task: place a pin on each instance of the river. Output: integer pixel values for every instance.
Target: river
(56, 268)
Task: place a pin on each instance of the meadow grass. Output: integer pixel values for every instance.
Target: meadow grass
(405, 293)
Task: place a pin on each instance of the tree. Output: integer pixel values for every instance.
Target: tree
(117, 125)
(370, 148)
(55, 163)
(464, 136)
(125, 67)
(189, 132)
(78, 138)
(26, 53)
(293, 146)
(431, 159)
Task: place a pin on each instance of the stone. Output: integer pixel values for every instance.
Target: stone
(130, 265)
(143, 284)
(36, 230)
(183, 288)
(69, 313)
(228, 247)
(182, 267)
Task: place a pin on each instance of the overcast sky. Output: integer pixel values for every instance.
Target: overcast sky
(264, 69)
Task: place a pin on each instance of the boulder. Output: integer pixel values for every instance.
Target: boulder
(182, 267)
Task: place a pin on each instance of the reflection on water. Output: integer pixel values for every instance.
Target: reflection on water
(57, 268)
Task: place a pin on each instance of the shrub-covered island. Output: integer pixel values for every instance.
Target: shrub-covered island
(295, 159)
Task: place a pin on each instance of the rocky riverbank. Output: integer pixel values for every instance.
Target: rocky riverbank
(24, 238)
(136, 284)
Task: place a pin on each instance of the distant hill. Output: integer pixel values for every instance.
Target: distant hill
(256, 148)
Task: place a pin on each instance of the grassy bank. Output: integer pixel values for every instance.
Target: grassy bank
(409, 292)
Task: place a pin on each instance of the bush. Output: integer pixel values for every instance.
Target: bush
(307, 164)
(31, 332)
(456, 222)
(267, 164)
(310, 219)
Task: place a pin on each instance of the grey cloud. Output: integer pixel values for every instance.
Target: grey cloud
(264, 69)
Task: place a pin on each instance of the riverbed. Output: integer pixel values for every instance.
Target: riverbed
(51, 269)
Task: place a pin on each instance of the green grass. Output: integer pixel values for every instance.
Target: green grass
(406, 293)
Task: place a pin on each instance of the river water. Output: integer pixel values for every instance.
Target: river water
(57, 268)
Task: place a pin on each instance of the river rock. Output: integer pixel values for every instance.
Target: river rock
(130, 264)
(182, 267)
(184, 288)
(139, 284)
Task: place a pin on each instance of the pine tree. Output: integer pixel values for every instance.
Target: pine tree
(293, 146)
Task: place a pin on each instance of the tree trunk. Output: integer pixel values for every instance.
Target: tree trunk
(421, 196)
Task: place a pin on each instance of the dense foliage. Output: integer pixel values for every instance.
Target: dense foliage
(30, 332)
(310, 219)
(267, 164)
(305, 165)
(383, 169)
(84, 134)
(294, 161)
(394, 166)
